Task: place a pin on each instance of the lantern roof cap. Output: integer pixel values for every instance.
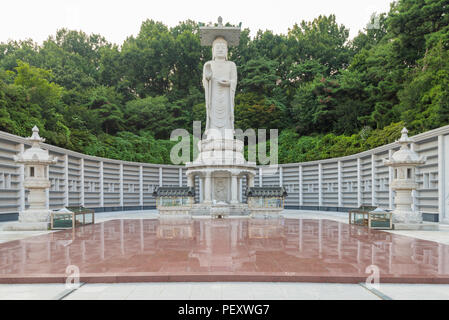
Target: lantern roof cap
(405, 155)
(35, 154)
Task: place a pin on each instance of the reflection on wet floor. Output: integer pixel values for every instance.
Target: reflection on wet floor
(303, 247)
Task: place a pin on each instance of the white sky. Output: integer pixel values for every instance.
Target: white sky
(116, 20)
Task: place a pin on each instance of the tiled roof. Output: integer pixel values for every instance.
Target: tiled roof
(174, 192)
(266, 192)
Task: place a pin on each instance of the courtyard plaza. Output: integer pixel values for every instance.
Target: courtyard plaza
(247, 288)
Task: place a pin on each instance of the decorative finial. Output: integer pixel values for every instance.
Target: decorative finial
(35, 138)
(220, 21)
(405, 140)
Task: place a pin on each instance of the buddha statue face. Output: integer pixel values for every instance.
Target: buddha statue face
(220, 49)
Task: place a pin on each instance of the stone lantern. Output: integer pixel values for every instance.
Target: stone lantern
(36, 161)
(404, 163)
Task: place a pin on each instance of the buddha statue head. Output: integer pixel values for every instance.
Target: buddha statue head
(220, 49)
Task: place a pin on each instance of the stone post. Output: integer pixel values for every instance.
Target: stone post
(121, 185)
(240, 197)
(101, 184)
(443, 177)
(66, 180)
(373, 180)
(82, 187)
(250, 181)
(300, 181)
(201, 188)
(207, 188)
(390, 183)
(320, 185)
(21, 181)
(160, 177)
(141, 186)
(359, 182)
(234, 187)
(339, 184)
(191, 180)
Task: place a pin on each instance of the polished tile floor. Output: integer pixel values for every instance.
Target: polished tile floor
(281, 250)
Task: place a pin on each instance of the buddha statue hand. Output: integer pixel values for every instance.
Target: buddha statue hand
(225, 83)
(208, 71)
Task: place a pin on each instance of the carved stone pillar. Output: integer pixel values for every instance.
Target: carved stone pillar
(191, 181)
(234, 188)
(207, 187)
(240, 189)
(250, 181)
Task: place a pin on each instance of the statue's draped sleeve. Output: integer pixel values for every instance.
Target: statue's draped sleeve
(207, 88)
(233, 87)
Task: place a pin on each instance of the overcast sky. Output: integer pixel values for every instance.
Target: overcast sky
(118, 19)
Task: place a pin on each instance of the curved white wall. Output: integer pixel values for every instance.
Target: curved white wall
(332, 184)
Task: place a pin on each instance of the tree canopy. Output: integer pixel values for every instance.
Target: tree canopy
(327, 94)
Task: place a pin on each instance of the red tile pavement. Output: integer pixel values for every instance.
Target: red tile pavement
(284, 250)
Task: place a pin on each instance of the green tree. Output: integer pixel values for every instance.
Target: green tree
(323, 40)
(412, 21)
(425, 98)
(260, 76)
(152, 114)
(375, 31)
(253, 111)
(148, 60)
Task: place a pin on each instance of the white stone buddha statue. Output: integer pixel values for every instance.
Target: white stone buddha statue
(220, 81)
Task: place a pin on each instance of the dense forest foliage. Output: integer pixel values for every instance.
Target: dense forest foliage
(328, 95)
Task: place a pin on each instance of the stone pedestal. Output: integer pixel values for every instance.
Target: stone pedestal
(221, 164)
(403, 212)
(31, 220)
(220, 210)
